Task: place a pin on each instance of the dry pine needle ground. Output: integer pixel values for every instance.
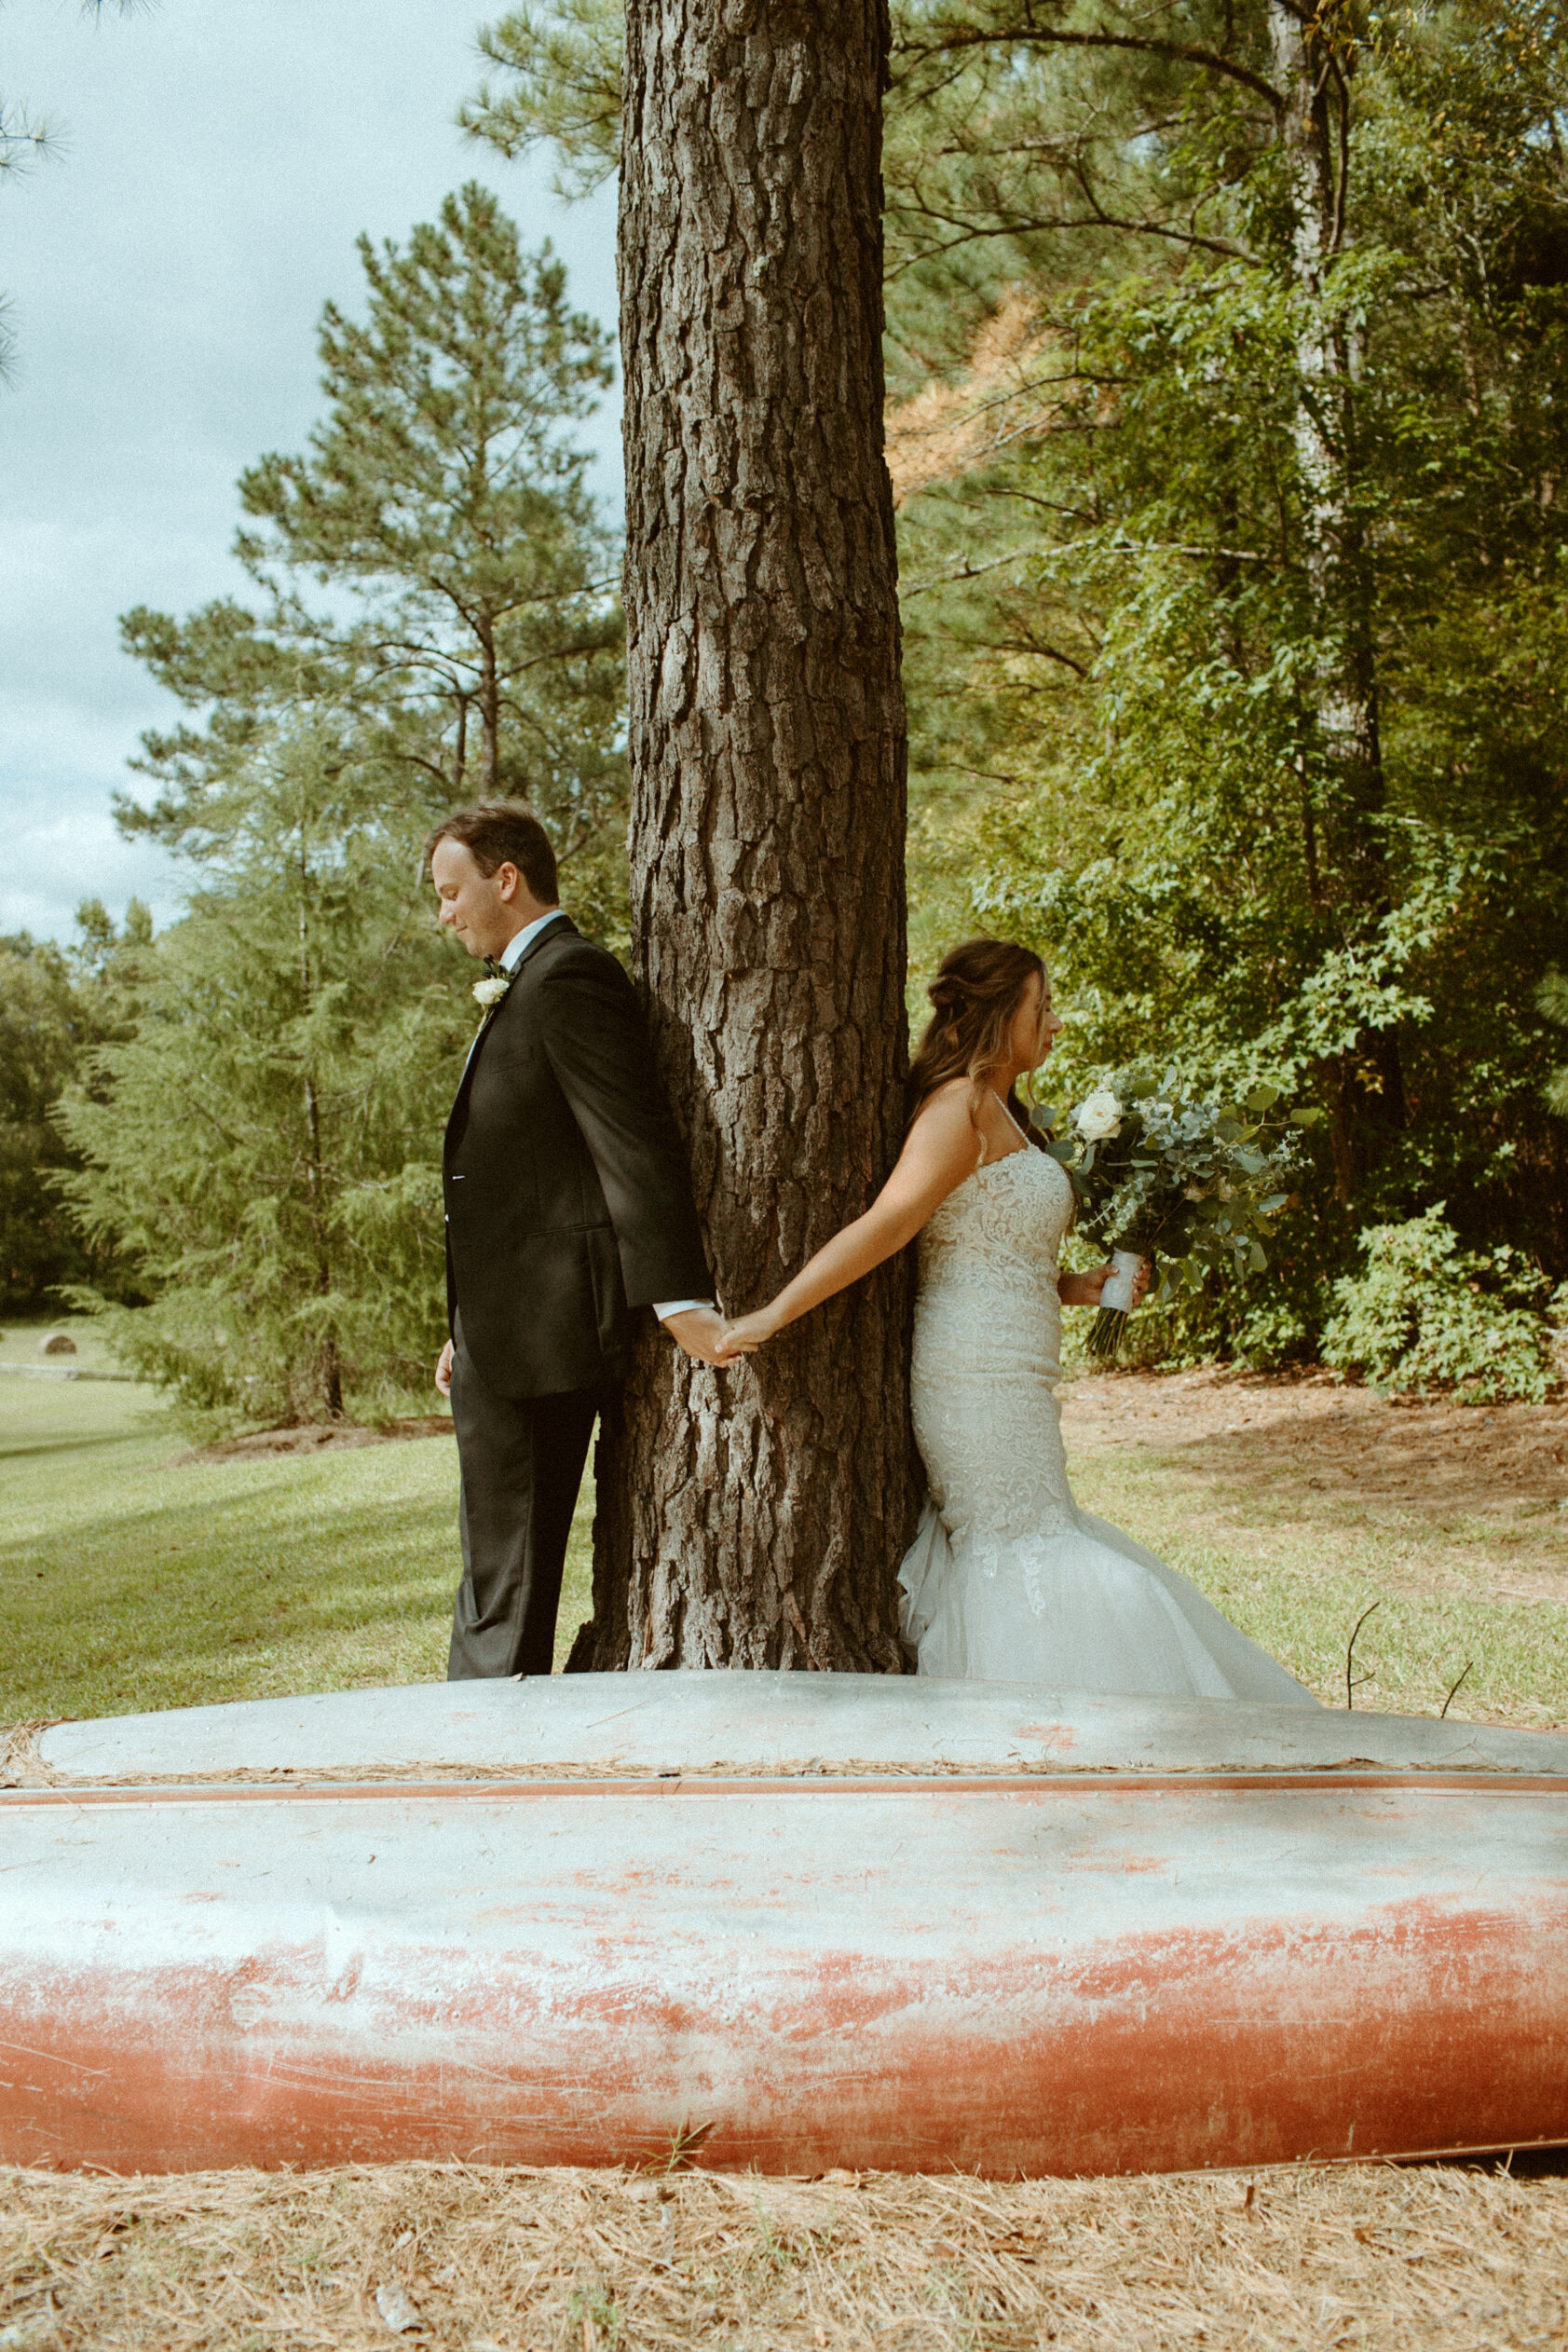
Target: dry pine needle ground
(495, 2261)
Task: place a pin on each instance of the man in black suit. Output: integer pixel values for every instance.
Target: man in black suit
(568, 1206)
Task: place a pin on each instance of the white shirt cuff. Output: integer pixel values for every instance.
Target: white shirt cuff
(665, 1307)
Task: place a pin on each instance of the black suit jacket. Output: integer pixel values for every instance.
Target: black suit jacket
(568, 1202)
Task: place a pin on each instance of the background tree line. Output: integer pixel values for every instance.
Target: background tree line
(1225, 343)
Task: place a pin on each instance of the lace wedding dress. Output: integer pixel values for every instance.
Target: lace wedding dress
(1008, 1580)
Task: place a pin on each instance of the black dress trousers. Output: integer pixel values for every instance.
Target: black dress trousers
(522, 1460)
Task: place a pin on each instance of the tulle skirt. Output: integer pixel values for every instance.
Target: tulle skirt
(1081, 1607)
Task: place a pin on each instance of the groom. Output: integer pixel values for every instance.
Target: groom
(568, 1206)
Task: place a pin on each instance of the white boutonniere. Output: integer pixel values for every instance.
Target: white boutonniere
(488, 993)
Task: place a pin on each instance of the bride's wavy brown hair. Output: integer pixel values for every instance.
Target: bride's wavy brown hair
(979, 987)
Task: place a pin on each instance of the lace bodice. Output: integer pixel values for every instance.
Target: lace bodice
(1003, 1227)
(987, 1347)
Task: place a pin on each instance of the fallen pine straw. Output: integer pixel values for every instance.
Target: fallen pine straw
(507, 2260)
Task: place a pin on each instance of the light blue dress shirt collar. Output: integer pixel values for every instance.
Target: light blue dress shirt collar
(520, 941)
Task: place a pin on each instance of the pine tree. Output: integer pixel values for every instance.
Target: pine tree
(261, 1133)
(44, 1029)
(263, 1140)
(474, 637)
(761, 1527)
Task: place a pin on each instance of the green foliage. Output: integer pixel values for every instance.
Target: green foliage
(1552, 998)
(43, 1028)
(562, 89)
(1235, 560)
(53, 1009)
(1426, 1313)
(1119, 630)
(265, 1140)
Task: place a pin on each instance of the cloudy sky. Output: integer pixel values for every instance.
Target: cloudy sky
(163, 274)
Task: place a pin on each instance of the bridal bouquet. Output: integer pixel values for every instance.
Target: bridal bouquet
(1162, 1175)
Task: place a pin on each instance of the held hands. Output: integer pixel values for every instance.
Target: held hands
(1083, 1290)
(752, 1332)
(705, 1334)
(744, 1337)
(700, 1332)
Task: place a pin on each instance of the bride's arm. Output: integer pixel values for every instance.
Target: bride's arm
(942, 1149)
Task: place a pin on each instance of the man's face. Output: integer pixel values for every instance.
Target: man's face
(481, 909)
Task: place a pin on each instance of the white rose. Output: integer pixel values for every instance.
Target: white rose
(1098, 1117)
(489, 992)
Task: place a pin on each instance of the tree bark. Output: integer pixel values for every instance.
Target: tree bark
(489, 705)
(329, 1361)
(755, 1517)
(1347, 858)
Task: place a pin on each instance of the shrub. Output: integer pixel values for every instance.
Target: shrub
(1423, 1313)
(1274, 1335)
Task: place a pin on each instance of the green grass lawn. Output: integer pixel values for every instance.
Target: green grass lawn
(129, 1578)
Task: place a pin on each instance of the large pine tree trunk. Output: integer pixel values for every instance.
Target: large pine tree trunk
(755, 1518)
(1347, 860)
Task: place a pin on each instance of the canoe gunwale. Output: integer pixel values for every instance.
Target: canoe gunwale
(1436, 1782)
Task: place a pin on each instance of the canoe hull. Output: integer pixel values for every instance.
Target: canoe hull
(1065, 1975)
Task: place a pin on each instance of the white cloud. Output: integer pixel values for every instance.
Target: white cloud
(62, 847)
(165, 275)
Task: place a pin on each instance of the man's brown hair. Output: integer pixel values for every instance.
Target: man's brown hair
(498, 833)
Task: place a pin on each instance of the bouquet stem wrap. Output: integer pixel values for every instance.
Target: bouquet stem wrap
(1115, 1304)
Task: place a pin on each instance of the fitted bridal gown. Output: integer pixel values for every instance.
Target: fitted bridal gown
(1008, 1580)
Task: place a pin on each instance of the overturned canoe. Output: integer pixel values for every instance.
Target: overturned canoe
(856, 1922)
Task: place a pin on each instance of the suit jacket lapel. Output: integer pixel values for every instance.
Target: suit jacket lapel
(552, 930)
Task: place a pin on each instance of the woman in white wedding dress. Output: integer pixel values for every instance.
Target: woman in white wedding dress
(1008, 1580)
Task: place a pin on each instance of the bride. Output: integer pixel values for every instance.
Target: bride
(1008, 1580)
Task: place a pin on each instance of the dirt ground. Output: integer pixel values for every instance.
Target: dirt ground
(1321, 1434)
(314, 1437)
(1384, 1452)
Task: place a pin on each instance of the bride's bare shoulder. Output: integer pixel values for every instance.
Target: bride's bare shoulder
(947, 1102)
(944, 1125)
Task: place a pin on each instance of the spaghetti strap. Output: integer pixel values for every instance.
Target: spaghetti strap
(1021, 1132)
